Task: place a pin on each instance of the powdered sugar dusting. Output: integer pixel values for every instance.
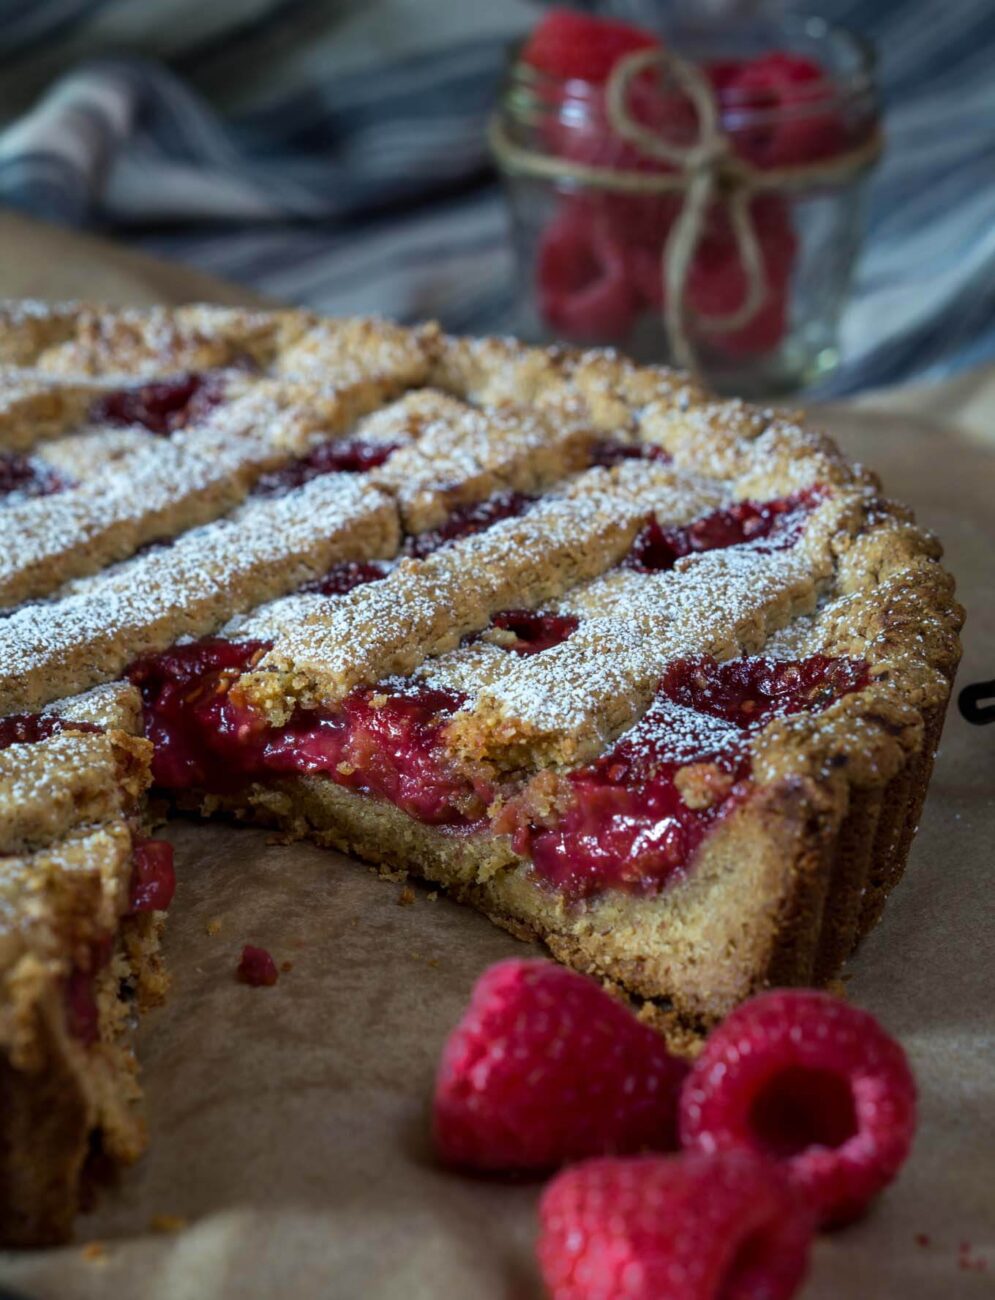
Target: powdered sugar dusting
(188, 588)
(425, 607)
(586, 691)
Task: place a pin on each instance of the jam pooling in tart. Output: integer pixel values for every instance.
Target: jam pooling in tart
(612, 452)
(383, 740)
(467, 520)
(779, 523)
(533, 630)
(26, 476)
(164, 405)
(30, 728)
(630, 819)
(344, 577)
(345, 456)
(637, 814)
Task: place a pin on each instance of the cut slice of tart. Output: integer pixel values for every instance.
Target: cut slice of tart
(83, 893)
(652, 678)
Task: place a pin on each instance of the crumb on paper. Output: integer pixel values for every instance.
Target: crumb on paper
(286, 967)
(922, 1239)
(432, 963)
(213, 926)
(406, 897)
(398, 875)
(168, 1223)
(93, 1251)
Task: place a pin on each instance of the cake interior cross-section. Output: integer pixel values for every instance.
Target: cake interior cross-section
(652, 678)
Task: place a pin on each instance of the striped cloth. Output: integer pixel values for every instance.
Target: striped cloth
(331, 153)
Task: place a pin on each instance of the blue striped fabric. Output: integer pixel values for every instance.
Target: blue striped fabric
(331, 153)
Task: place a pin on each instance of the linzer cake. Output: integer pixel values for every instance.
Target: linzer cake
(652, 678)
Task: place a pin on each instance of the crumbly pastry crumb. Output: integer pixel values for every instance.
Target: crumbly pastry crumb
(168, 1223)
(654, 679)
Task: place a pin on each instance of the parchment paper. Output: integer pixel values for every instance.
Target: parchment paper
(289, 1124)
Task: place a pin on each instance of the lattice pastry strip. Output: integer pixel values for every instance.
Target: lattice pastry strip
(765, 452)
(73, 778)
(114, 705)
(191, 588)
(565, 705)
(425, 607)
(35, 408)
(167, 486)
(462, 454)
(347, 350)
(608, 389)
(77, 340)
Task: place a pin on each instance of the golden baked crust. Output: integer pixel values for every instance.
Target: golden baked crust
(158, 539)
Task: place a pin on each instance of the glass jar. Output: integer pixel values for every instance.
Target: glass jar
(595, 206)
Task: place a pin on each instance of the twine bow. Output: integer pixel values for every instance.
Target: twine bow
(706, 171)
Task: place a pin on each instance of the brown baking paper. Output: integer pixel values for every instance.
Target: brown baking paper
(289, 1125)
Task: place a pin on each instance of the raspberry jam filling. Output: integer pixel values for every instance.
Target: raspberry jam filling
(164, 406)
(153, 878)
(153, 882)
(344, 577)
(779, 522)
(382, 740)
(79, 993)
(348, 456)
(30, 728)
(256, 968)
(82, 1015)
(532, 631)
(637, 814)
(612, 452)
(26, 476)
(464, 521)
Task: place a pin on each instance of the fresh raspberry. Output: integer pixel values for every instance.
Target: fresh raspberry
(570, 45)
(717, 284)
(689, 1227)
(812, 1082)
(546, 1067)
(777, 109)
(256, 967)
(584, 288)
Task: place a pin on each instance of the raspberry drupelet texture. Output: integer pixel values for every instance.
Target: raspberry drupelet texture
(691, 1227)
(813, 1083)
(546, 1067)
